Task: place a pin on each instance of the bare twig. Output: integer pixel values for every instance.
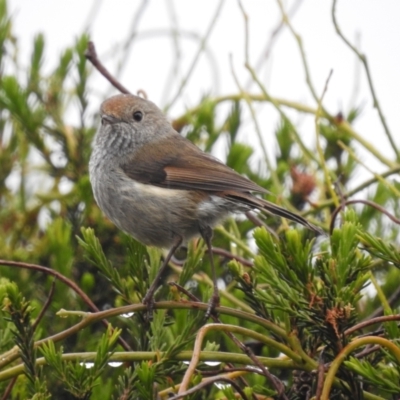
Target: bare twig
(7, 392)
(259, 222)
(366, 202)
(273, 37)
(214, 318)
(354, 156)
(364, 61)
(372, 321)
(186, 293)
(367, 351)
(92, 14)
(227, 254)
(197, 55)
(207, 382)
(395, 296)
(46, 305)
(66, 281)
(320, 376)
(276, 383)
(175, 33)
(299, 41)
(91, 55)
(327, 175)
(247, 98)
(127, 45)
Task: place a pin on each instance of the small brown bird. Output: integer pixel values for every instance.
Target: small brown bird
(162, 189)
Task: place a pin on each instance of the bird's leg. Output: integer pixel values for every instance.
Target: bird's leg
(148, 299)
(207, 233)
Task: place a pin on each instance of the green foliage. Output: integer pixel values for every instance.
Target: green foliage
(287, 291)
(384, 377)
(79, 378)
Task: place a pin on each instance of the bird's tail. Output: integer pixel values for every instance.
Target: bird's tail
(266, 206)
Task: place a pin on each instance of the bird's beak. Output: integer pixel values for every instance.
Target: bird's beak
(108, 119)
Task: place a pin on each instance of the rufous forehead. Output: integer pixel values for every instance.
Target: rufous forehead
(117, 105)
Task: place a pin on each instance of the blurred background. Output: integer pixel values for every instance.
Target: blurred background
(156, 45)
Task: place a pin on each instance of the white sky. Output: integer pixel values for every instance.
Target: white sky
(151, 58)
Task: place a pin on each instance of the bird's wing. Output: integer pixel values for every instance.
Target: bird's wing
(187, 168)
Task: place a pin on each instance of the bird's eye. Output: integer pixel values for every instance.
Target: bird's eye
(137, 116)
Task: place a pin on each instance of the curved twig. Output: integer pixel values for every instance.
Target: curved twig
(347, 350)
(68, 282)
(227, 254)
(91, 55)
(209, 381)
(236, 329)
(372, 321)
(215, 319)
(366, 202)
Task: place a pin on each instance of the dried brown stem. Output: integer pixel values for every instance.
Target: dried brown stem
(366, 202)
(372, 321)
(91, 55)
(186, 293)
(227, 254)
(46, 305)
(259, 222)
(320, 376)
(7, 392)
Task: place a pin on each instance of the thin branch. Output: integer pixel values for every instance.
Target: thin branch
(247, 98)
(343, 125)
(369, 182)
(9, 388)
(66, 281)
(46, 305)
(127, 45)
(328, 180)
(366, 202)
(367, 351)
(129, 356)
(92, 14)
(91, 55)
(216, 320)
(273, 37)
(364, 61)
(362, 186)
(197, 55)
(330, 376)
(299, 41)
(227, 254)
(372, 321)
(210, 381)
(320, 375)
(353, 155)
(191, 296)
(175, 34)
(395, 296)
(243, 331)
